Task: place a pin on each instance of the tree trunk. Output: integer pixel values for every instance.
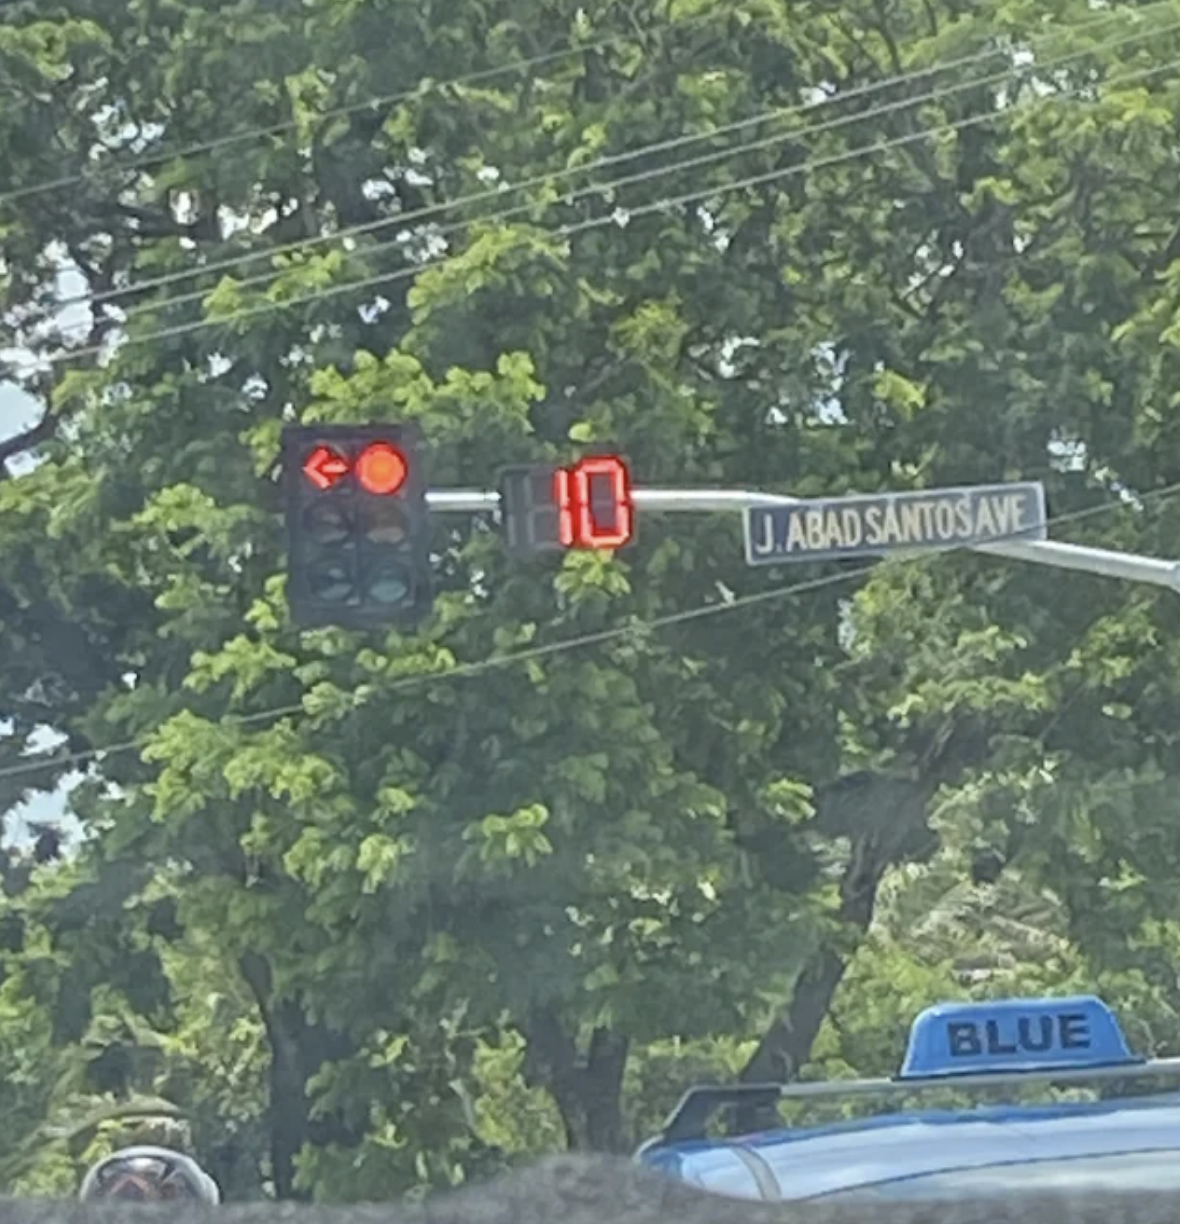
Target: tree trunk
(786, 1045)
(885, 820)
(298, 1050)
(287, 1104)
(588, 1091)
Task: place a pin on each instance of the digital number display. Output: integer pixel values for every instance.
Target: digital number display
(587, 505)
(594, 504)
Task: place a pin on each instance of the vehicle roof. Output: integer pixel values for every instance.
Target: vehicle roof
(805, 1162)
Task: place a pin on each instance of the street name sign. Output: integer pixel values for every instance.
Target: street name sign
(878, 524)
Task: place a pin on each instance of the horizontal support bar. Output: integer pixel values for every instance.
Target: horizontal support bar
(462, 501)
(1105, 563)
(672, 501)
(658, 501)
(1102, 561)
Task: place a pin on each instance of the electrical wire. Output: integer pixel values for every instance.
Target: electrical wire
(415, 216)
(528, 654)
(249, 135)
(699, 196)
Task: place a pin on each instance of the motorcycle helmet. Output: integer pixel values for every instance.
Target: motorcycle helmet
(149, 1174)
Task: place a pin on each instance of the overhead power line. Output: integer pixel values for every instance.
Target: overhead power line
(597, 186)
(142, 161)
(461, 671)
(594, 188)
(254, 134)
(693, 197)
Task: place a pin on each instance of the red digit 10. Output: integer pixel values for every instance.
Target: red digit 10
(578, 524)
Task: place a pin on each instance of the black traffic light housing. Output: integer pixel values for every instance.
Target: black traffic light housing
(358, 525)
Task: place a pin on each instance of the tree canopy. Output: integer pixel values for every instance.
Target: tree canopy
(369, 913)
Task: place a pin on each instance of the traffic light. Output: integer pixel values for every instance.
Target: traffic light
(586, 505)
(357, 525)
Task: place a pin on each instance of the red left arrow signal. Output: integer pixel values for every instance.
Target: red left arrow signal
(324, 467)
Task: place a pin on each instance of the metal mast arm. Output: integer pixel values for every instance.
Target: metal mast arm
(1106, 563)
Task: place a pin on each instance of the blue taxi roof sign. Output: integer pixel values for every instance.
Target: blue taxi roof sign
(958, 1039)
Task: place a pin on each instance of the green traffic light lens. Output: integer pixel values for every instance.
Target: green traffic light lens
(390, 583)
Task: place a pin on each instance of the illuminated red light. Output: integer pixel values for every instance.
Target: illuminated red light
(381, 468)
(324, 467)
(578, 524)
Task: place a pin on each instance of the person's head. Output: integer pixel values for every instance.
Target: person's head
(149, 1174)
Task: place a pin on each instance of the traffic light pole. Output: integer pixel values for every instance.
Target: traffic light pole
(1130, 567)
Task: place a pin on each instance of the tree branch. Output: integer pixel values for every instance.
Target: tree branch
(885, 820)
